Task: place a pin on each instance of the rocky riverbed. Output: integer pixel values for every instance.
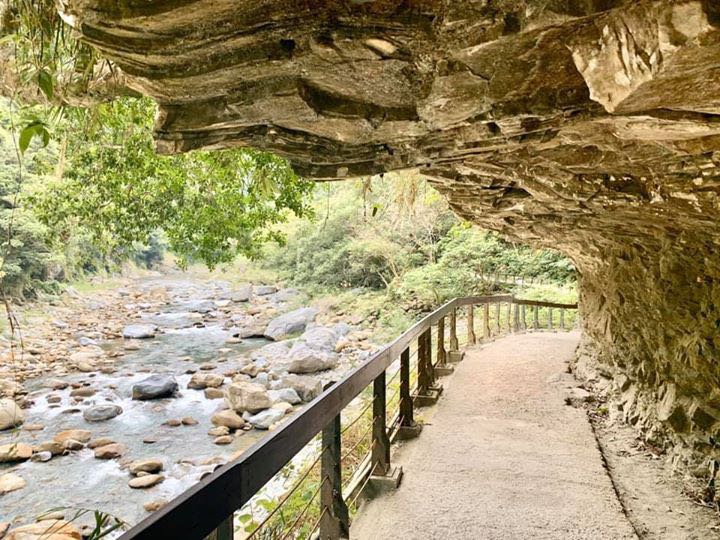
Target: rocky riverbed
(122, 399)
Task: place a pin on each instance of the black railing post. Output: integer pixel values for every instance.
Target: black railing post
(442, 369)
(427, 392)
(408, 427)
(380, 454)
(471, 325)
(224, 531)
(453, 330)
(486, 321)
(441, 353)
(335, 519)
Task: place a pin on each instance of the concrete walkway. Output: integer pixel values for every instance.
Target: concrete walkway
(502, 456)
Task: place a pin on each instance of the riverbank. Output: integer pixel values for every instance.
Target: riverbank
(133, 390)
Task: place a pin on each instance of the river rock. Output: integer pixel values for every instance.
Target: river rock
(223, 440)
(13, 452)
(41, 457)
(55, 448)
(154, 506)
(110, 451)
(73, 445)
(228, 418)
(10, 414)
(140, 331)
(151, 466)
(189, 421)
(265, 419)
(304, 359)
(290, 323)
(177, 320)
(56, 384)
(200, 381)
(214, 393)
(10, 388)
(288, 395)
(154, 387)
(264, 290)
(219, 431)
(101, 441)
(245, 396)
(321, 338)
(307, 388)
(11, 482)
(144, 482)
(242, 294)
(80, 435)
(48, 529)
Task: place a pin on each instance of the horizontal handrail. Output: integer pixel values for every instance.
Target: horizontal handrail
(198, 511)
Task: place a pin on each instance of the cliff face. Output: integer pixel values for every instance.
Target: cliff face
(591, 126)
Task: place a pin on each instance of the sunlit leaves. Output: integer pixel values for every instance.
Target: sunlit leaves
(36, 128)
(212, 206)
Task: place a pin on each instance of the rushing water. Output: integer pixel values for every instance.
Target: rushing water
(79, 480)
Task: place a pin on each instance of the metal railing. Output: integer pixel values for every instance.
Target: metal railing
(207, 509)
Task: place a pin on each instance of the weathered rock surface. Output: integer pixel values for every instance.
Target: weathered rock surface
(10, 414)
(228, 418)
(151, 466)
(290, 323)
(155, 387)
(246, 396)
(100, 413)
(139, 331)
(146, 481)
(587, 126)
(200, 381)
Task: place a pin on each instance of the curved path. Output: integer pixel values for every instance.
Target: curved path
(502, 456)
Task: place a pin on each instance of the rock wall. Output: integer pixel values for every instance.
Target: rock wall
(591, 126)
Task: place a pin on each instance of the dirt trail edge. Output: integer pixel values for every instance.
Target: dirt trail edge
(503, 456)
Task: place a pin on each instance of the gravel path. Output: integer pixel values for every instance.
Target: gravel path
(502, 456)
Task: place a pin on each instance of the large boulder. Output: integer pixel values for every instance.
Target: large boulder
(246, 396)
(100, 413)
(10, 414)
(155, 387)
(272, 353)
(290, 323)
(140, 331)
(304, 359)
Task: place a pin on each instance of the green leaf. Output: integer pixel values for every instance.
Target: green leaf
(45, 82)
(33, 129)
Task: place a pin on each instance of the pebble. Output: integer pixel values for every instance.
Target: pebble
(189, 421)
(173, 422)
(150, 440)
(219, 431)
(41, 457)
(33, 427)
(154, 506)
(223, 439)
(82, 392)
(73, 445)
(144, 482)
(228, 419)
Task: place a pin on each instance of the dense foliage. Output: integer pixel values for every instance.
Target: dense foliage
(397, 234)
